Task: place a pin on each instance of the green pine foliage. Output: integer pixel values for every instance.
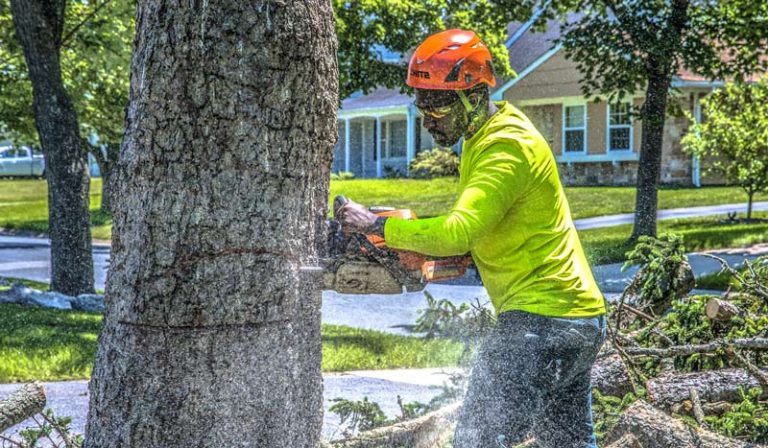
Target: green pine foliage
(664, 274)
(747, 420)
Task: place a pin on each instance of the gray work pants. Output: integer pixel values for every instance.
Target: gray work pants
(532, 378)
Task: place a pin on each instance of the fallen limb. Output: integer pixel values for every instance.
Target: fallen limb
(610, 376)
(722, 310)
(626, 441)
(428, 431)
(689, 349)
(711, 385)
(686, 408)
(654, 428)
(22, 404)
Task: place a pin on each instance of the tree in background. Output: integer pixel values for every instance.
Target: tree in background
(211, 334)
(367, 30)
(95, 57)
(622, 47)
(734, 136)
(39, 26)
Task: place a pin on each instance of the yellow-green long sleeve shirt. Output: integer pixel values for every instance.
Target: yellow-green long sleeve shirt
(512, 215)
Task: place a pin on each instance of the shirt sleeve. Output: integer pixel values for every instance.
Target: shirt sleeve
(496, 180)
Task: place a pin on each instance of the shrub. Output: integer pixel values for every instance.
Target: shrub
(438, 162)
(343, 175)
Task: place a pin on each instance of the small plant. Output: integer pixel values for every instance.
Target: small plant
(747, 420)
(466, 324)
(50, 431)
(438, 162)
(343, 175)
(392, 173)
(664, 275)
(607, 410)
(358, 415)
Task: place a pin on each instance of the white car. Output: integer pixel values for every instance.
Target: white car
(22, 161)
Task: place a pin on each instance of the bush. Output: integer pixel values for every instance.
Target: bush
(343, 175)
(438, 162)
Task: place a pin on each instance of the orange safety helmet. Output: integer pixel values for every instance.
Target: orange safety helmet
(451, 60)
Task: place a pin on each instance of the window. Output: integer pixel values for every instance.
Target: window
(393, 138)
(574, 129)
(619, 127)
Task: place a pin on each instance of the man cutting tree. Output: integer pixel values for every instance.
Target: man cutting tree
(531, 377)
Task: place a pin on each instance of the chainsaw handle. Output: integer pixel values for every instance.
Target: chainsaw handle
(338, 202)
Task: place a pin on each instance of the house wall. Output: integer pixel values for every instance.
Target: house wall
(598, 166)
(557, 77)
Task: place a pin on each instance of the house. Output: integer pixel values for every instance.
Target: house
(594, 143)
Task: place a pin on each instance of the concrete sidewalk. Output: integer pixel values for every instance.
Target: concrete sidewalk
(70, 398)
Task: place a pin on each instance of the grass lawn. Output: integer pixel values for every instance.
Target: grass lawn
(23, 205)
(608, 245)
(51, 345)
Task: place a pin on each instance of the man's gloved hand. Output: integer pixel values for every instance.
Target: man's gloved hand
(355, 217)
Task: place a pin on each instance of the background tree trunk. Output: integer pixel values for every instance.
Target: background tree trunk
(649, 168)
(212, 332)
(661, 68)
(107, 159)
(39, 26)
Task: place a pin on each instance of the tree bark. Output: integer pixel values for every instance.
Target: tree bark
(653, 428)
(661, 68)
(212, 330)
(428, 431)
(610, 376)
(722, 310)
(22, 404)
(39, 26)
(712, 386)
(649, 167)
(107, 164)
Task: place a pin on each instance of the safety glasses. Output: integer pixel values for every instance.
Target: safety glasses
(436, 112)
(440, 112)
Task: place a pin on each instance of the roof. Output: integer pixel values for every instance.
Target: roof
(381, 97)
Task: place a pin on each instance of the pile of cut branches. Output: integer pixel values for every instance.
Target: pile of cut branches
(697, 362)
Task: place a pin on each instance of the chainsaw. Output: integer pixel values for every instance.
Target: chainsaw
(363, 264)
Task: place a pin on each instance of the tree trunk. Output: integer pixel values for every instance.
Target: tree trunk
(107, 164)
(751, 195)
(649, 167)
(713, 386)
(661, 67)
(653, 428)
(212, 331)
(39, 26)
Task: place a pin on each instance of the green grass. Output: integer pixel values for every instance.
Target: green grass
(24, 203)
(24, 206)
(608, 245)
(53, 345)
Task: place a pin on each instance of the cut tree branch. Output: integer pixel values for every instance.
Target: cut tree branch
(22, 404)
(689, 349)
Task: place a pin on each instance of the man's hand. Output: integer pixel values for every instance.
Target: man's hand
(356, 218)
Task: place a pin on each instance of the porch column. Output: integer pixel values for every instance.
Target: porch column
(378, 147)
(346, 144)
(696, 161)
(410, 136)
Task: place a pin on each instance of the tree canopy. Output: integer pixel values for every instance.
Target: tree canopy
(734, 135)
(365, 27)
(95, 60)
